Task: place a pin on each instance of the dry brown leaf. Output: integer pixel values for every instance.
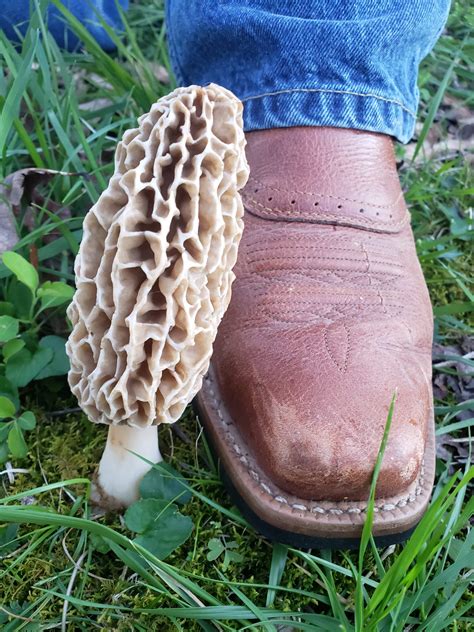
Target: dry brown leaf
(160, 73)
(445, 149)
(17, 188)
(453, 377)
(8, 234)
(95, 104)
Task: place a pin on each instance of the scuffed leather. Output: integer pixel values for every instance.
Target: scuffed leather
(329, 317)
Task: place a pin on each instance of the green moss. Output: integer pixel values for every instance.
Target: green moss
(69, 447)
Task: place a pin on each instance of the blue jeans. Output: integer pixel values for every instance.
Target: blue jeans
(15, 17)
(337, 63)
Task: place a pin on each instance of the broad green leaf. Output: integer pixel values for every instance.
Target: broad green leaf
(54, 293)
(59, 364)
(27, 421)
(8, 535)
(163, 481)
(231, 556)
(7, 308)
(11, 347)
(99, 543)
(167, 536)
(22, 269)
(9, 390)
(16, 442)
(160, 524)
(145, 513)
(8, 328)
(216, 547)
(4, 430)
(7, 407)
(24, 366)
(21, 298)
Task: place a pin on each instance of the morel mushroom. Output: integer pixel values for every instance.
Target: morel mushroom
(154, 276)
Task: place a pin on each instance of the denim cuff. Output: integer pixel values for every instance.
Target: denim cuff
(349, 64)
(331, 108)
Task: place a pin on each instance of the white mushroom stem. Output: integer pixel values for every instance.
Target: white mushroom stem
(120, 471)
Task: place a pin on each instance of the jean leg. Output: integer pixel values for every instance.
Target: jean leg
(339, 63)
(15, 17)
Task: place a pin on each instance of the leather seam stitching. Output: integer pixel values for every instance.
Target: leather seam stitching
(333, 303)
(313, 321)
(327, 195)
(323, 258)
(334, 271)
(402, 502)
(297, 295)
(322, 249)
(331, 91)
(274, 212)
(342, 369)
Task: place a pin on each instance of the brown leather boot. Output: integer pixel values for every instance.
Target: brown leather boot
(330, 315)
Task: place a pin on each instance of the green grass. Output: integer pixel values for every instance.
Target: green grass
(63, 566)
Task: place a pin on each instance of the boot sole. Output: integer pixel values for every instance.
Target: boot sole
(300, 522)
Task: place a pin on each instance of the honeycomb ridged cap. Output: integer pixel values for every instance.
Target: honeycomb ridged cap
(154, 268)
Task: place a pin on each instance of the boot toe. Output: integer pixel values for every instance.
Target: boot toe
(318, 437)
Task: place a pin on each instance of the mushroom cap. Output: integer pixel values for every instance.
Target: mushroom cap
(154, 269)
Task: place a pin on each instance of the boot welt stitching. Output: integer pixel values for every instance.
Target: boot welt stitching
(327, 195)
(273, 212)
(386, 507)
